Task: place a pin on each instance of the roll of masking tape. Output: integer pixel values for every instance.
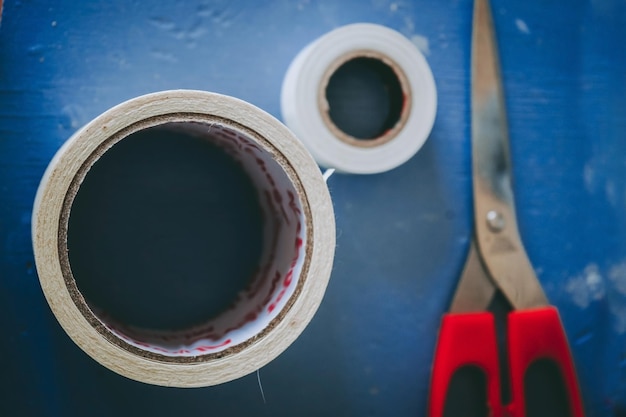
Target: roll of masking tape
(310, 108)
(286, 287)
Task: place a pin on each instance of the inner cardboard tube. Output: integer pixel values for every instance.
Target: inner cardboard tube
(363, 98)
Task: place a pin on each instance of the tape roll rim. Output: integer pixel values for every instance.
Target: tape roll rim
(305, 73)
(46, 222)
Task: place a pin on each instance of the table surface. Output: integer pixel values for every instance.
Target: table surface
(402, 235)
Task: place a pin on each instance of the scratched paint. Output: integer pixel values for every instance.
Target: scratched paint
(586, 287)
(599, 181)
(422, 43)
(522, 26)
(617, 299)
(593, 285)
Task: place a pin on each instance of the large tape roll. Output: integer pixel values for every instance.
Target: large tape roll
(287, 287)
(307, 111)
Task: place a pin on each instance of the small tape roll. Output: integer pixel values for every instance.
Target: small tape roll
(283, 295)
(305, 107)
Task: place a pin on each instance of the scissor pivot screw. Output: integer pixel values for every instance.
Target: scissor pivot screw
(495, 221)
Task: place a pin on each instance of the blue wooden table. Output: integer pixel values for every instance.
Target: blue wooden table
(402, 235)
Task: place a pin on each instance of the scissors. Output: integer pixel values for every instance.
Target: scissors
(496, 262)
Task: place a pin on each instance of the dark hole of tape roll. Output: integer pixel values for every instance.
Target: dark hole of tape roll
(365, 98)
(164, 231)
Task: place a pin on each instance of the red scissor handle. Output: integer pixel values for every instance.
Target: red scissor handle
(533, 335)
(465, 340)
(469, 339)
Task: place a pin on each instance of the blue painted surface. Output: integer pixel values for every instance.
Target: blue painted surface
(402, 235)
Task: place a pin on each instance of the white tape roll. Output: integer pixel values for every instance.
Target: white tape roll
(305, 107)
(283, 295)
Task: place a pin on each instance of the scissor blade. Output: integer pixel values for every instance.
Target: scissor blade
(475, 289)
(490, 142)
(497, 235)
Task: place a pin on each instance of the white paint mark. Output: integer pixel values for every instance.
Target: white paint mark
(617, 299)
(409, 26)
(522, 26)
(196, 31)
(162, 23)
(619, 314)
(379, 4)
(589, 177)
(611, 192)
(401, 225)
(53, 23)
(601, 8)
(164, 56)
(393, 7)
(617, 275)
(74, 116)
(36, 50)
(586, 287)
(422, 43)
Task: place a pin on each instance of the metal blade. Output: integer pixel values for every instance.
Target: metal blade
(499, 243)
(475, 289)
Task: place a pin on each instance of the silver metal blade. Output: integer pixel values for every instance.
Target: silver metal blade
(497, 234)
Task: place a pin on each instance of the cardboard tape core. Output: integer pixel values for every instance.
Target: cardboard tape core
(383, 72)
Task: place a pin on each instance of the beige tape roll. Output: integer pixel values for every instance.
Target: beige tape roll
(281, 298)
